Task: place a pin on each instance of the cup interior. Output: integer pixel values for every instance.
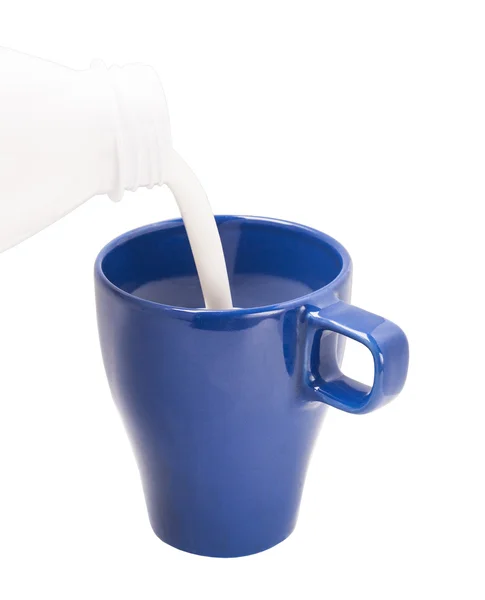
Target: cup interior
(268, 262)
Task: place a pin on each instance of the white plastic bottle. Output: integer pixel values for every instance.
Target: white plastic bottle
(68, 135)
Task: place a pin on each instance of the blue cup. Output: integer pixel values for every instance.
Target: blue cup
(223, 407)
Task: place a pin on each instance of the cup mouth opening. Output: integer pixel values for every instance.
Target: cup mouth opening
(288, 227)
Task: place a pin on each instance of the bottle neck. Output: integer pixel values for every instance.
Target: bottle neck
(141, 127)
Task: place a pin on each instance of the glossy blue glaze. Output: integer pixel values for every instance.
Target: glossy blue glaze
(223, 407)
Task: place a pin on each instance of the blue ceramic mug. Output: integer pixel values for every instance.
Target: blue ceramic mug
(223, 407)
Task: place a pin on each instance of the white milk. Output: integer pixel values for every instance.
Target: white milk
(67, 135)
(202, 233)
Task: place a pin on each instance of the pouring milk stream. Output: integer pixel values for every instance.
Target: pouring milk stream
(67, 135)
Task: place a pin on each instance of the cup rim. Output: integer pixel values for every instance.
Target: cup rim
(307, 299)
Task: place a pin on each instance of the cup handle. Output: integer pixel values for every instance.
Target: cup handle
(386, 342)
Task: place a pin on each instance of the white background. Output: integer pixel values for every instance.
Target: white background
(362, 119)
